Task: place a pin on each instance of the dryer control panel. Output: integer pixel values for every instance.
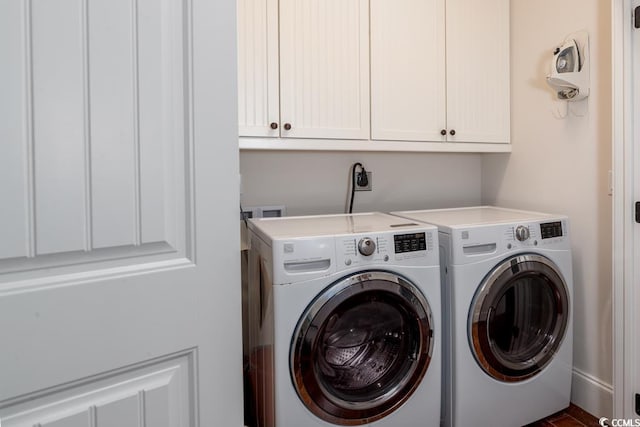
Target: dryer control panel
(535, 234)
(487, 241)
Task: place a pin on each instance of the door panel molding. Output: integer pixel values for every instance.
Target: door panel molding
(158, 392)
(102, 154)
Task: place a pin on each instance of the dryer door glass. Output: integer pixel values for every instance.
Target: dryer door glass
(518, 317)
(361, 348)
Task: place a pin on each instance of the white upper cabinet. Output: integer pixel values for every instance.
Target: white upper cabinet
(323, 58)
(440, 70)
(376, 75)
(408, 92)
(478, 73)
(258, 79)
(324, 68)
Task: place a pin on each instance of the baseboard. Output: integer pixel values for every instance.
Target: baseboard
(592, 394)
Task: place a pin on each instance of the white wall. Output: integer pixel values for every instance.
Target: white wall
(317, 182)
(561, 165)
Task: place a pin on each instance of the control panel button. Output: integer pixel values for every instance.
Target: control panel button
(366, 246)
(522, 233)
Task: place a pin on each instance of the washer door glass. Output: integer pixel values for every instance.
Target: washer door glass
(518, 317)
(361, 348)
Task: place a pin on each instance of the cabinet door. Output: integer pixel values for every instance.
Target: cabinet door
(408, 70)
(324, 68)
(258, 96)
(478, 70)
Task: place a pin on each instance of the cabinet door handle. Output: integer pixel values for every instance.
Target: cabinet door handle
(443, 132)
(287, 126)
(452, 132)
(273, 126)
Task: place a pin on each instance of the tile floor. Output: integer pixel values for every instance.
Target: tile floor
(573, 416)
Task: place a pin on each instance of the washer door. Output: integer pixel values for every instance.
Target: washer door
(518, 317)
(362, 348)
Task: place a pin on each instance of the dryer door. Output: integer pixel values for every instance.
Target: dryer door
(361, 348)
(518, 317)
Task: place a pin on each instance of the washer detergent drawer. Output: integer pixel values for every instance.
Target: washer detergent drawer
(303, 259)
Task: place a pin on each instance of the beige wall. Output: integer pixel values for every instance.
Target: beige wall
(317, 182)
(561, 165)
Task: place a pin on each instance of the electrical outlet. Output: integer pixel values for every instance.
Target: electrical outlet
(367, 187)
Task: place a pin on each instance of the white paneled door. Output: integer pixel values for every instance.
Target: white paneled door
(119, 256)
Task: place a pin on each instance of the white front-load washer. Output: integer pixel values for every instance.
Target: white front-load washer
(344, 321)
(507, 288)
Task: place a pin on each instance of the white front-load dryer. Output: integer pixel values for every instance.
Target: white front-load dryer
(344, 321)
(507, 287)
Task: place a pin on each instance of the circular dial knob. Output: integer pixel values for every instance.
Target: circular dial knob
(522, 233)
(366, 246)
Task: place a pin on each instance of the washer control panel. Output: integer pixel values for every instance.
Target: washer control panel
(358, 249)
(385, 248)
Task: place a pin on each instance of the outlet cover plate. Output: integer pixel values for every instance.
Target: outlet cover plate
(366, 188)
